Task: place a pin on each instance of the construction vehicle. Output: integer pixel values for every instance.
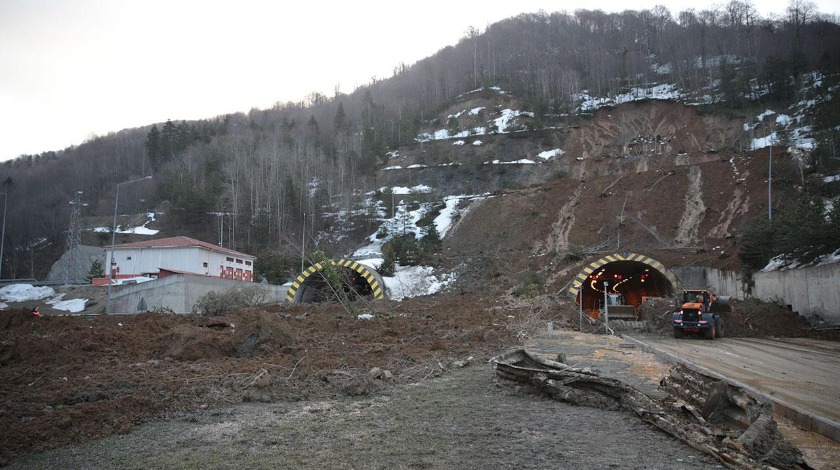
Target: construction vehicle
(698, 314)
(617, 308)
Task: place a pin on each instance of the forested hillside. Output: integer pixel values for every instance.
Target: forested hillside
(251, 180)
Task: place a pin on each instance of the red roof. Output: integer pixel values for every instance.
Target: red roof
(180, 242)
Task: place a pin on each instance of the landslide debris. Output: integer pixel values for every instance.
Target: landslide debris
(70, 379)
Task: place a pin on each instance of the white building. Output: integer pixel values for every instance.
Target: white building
(180, 255)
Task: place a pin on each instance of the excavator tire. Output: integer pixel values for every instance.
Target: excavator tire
(711, 333)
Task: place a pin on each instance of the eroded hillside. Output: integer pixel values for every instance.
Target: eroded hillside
(655, 177)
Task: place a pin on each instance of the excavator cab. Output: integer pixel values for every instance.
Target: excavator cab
(697, 299)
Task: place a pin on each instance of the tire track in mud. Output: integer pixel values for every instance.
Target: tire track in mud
(689, 226)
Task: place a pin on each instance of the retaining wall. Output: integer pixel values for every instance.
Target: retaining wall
(718, 281)
(809, 291)
(177, 292)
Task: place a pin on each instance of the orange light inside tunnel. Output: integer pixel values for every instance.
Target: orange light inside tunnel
(631, 279)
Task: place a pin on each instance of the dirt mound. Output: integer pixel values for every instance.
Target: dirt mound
(15, 318)
(259, 333)
(192, 343)
(754, 318)
(741, 319)
(248, 334)
(657, 313)
(71, 379)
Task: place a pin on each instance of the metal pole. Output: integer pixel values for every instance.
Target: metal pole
(113, 262)
(302, 242)
(3, 237)
(606, 307)
(770, 182)
(580, 307)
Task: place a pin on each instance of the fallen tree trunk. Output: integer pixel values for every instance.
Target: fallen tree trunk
(705, 413)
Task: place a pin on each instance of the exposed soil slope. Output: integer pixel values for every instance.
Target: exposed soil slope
(679, 197)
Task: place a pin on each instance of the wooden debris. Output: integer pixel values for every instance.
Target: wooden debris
(703, 412)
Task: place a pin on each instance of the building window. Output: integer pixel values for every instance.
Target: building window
(239, 261)
(247, 263)
(229, 260)
(205, 264)
(128, 258)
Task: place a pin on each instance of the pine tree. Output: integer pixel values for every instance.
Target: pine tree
(340, 117)
(153, 146)
(168, 141)
(95, 270)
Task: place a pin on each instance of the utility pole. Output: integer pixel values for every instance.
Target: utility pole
(302, 242)
(3, 237)
(770, 182)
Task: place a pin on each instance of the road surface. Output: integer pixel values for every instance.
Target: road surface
(802, 373)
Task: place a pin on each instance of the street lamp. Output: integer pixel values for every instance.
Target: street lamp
(114, 239)
(3, 237)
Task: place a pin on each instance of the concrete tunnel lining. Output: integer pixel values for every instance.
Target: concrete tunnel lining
(370, 280)
(633, 275)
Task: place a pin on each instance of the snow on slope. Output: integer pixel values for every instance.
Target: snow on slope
(28, 292)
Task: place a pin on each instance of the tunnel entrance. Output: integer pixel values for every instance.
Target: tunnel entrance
(629, 277)
(357, 281)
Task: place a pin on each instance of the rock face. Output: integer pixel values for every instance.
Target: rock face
(81, 270)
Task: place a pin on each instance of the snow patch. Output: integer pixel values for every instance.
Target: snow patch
(28, 292)
(414, 281)
(548, 154)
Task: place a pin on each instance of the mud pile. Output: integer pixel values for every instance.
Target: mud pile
(71, 379)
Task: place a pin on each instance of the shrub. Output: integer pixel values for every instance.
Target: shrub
(532, 283)
(219, 303)
(388, 266)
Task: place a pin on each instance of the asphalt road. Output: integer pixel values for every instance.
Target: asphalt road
(802, 373)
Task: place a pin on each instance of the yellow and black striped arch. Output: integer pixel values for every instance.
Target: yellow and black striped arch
(616, 257)
(366, 272)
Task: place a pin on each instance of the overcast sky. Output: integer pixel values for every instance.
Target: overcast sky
(71, 69)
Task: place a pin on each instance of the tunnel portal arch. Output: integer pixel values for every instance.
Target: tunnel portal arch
(361, 280)
(633, 275)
